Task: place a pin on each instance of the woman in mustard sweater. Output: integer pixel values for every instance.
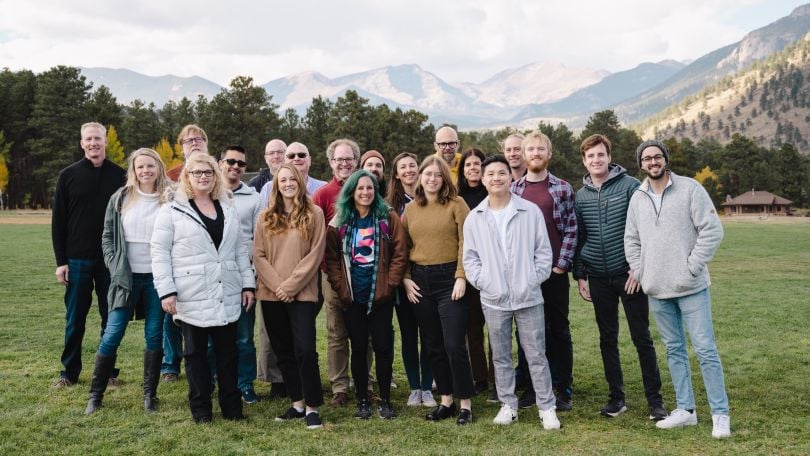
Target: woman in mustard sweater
(288, 248)
(436, 284)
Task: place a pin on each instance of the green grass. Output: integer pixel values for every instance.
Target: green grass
(762, 320)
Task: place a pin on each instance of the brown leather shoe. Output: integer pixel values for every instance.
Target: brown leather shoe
(62, 382)
(168, 377)
(114, 382)
(339, 399)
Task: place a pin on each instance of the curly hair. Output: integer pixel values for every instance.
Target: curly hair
(276, 221)
(217, 190)
(448, 191)
(345, 208)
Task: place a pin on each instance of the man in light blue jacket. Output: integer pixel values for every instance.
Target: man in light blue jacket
(507, 255)
(672, 233)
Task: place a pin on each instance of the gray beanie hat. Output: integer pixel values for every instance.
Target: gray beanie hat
(653, 143)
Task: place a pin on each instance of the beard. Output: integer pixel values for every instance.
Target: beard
(661, 173)
(534, 167)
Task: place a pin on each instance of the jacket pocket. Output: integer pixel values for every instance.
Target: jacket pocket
(231, 279)
(190, 282)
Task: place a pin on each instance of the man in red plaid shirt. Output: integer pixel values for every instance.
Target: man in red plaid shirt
(555, 198)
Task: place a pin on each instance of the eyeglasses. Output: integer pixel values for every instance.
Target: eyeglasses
(447, 145)
(233, 161)
(649, 158)
(292, 155)
(196, 139)
(200, 173)
(274, 152)
(343, 161)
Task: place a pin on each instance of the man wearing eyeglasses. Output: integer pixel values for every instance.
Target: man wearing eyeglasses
(274, 157)
(603, 275)
(672, 234)
(297, 155)
(447, 146)
(343, 156)
(233, 164)
(193, 140)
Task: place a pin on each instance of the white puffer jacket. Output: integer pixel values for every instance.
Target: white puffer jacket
(208, 282)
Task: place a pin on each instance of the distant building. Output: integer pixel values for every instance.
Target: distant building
(757, 202)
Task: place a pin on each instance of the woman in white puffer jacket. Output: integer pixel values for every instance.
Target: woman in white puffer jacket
(203, 275)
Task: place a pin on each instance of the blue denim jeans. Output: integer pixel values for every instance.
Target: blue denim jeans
(693, 313)
(84, 276)
(246, 366)
(143, 290)
(172, 347)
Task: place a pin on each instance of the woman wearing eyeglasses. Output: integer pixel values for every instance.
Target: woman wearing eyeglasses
(128, 225)
(203, 275)
(436, 284)
(366, 256)
(288, 249)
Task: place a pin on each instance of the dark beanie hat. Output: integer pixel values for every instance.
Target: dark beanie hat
(369, 154)
(651, 143)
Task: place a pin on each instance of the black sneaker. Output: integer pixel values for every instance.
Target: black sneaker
(290, 414)
(363, 409)
(658, 412)
(386, 410)
(564, 403)
(614, 408)
(249, 396)
(528, 399)
(313, 420)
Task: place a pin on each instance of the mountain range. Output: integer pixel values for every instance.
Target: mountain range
(546, 91)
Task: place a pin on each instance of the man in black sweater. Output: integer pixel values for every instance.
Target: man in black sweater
(82, 192)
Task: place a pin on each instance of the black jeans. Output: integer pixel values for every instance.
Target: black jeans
(444, 327)
(482, 371)
(291, 329)
(605, 293)
(360, 325)
(559, 348)
(198, 369)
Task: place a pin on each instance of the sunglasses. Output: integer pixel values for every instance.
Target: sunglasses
(233, 161)
(297, 154)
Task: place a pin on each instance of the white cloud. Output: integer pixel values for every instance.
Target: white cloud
(456, 39)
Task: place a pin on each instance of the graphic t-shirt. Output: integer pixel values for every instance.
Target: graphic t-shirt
(362, 258)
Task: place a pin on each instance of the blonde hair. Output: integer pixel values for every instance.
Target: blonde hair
(130, 190)
(185, 182)
(190, 129)
(275, 220)
(536, 136)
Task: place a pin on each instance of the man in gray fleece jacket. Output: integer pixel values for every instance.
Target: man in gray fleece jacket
(672, 233)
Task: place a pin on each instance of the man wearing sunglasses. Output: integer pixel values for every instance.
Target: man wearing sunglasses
(233, 164)
(447, 146)
(297, 155)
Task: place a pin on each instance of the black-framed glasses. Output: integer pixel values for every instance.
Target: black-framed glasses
(649, 158)
(292, 155)
(233, 161)
(196, 139)
(200, 173)
(343, 160)
(447, 145)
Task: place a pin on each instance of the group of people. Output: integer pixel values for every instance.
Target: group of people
(456, 243)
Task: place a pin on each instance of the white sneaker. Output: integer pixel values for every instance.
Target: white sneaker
(721, 426)
(415, 398)
(549, 419)
(677, 418)
(505, 416)
(427, 399)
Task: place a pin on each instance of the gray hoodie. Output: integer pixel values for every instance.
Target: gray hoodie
(668, 250)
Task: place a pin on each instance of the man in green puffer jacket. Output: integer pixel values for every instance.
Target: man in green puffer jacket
(601, 271)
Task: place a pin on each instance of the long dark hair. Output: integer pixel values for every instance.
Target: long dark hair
(396, 192)
(463, 185)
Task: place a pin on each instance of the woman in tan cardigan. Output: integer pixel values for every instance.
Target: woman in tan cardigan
(289, 245)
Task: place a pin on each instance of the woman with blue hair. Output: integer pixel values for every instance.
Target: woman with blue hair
(366, 255)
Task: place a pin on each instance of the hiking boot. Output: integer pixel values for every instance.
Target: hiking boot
(614, 408)
(339, 400)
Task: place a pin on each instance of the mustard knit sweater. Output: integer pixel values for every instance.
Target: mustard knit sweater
(435, 233)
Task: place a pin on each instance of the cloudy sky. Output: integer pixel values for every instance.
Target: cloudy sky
(458, 40)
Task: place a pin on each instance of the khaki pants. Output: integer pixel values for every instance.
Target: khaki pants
(337, 343)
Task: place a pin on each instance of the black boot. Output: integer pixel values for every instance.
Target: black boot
(151, 375)
(101, 375)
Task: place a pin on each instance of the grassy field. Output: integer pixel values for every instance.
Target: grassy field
(762, 320)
